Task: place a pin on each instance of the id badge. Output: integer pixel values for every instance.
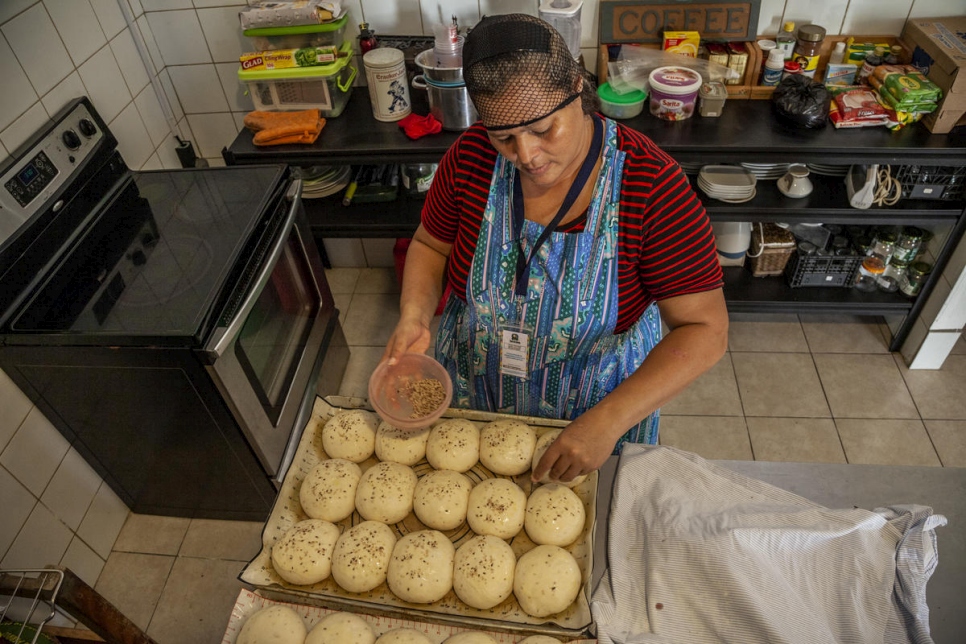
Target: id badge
(514, 353)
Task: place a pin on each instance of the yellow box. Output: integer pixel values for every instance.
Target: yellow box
(682, 42)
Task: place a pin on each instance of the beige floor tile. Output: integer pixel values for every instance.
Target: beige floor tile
(844, 334)
(149, 534)
(371, 319)
(949, 438)
(342, 302)
(779, 384)
(377, 280)
(342, 280)
(236, 540)
(886, 442)
(362, 362)
(765, 332)
(864, 386)
(795, 440)
(714, 393)
(939, 394)
(712, 437)
(197, 601)
(133, 583)
(960, 347)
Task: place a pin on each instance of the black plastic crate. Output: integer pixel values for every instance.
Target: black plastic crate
(822, 270)
(931, 182)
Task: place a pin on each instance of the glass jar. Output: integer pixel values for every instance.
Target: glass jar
(867, 278)
(808, 48)
(863, 244)
(884, 244)
(910, 282)
(417, 177)
(889, 280)
(910, 241)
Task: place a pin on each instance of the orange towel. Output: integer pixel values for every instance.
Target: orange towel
(280, 128)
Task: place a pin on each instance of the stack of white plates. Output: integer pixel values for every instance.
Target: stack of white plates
(828, 169)
(321, 180)
(771, 171)
(690, 167)
(727, 183)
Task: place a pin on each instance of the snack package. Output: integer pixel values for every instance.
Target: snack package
(859, 104)
(840, 74)
(286, 58)
(855, 52)
(905, 83)
(682, 42)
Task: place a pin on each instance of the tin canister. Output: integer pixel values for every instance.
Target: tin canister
(388, 87)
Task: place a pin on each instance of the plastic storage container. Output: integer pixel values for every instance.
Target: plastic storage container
(271, 38)
(673, 92)
(323, 87)
(389, 390)
(620, 106)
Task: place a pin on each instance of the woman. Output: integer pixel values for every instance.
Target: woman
(566, 239)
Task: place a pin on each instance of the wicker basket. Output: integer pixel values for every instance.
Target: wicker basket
(771, 246)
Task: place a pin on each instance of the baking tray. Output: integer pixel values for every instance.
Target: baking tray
(506, 617)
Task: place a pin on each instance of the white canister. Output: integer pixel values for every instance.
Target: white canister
(732, 240)
(388, 87)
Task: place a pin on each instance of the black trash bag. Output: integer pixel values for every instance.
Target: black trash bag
(799, 100)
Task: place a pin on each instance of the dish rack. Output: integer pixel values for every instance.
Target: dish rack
(27, 600)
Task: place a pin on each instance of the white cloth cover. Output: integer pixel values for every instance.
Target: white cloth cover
(709, 555)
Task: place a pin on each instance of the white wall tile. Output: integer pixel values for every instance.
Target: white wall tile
(133, 141)
(83, 562)
(589, 21)
(153, 163)
(345, 253)
(42, 541)
(400, 17)
(379, 252)
(494, 7)
(146, 35)
(239, 120)
(72, 489)
(221, 3)
(354, 7)
(105, 84)
(936, 8)
(167, 155)
(10, 8)
(110, 16)
(70, 88)
(876, 17)
(590, 59)
(103, 521)
(17, 503)
(15, 406)
(223, 33)
(22, 129)
(34, 452)
(129, 62)
(165, 5)
(770, 17)
(824, 13)
(78, 27)
(199, 89)
(136, 7)
(934, 350)
(18, 94)
(467, 13)
(237, 93)
(173, 102)
(952, 315)
(212, 132)
(38, 47)
(179, 37)
(152, 115)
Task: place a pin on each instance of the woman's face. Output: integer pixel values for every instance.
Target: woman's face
(547, 150)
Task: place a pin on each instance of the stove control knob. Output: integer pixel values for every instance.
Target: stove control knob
(71, 140)
(87, 128)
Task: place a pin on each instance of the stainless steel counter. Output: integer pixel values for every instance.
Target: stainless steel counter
(868, 487)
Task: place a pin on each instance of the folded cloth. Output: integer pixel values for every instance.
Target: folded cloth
(279, 128)
(707, 555)
(416, 126)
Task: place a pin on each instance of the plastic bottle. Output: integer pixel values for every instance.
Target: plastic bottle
(367, 39)
(838, 54)
(871, 61)
(786, 40)
(774, 67)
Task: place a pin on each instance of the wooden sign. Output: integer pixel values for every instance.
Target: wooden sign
(644, 21)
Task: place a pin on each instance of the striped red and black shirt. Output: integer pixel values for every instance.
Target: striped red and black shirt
(665, 244)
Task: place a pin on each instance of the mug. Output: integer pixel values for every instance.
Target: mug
(795, 182)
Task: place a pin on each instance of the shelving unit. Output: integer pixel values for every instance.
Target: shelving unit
(746, 131)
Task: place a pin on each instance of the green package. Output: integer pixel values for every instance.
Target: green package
(905, 84)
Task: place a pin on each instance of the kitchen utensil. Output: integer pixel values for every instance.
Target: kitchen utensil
(450, 104)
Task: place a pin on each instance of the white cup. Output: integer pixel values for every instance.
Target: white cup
(795, 183)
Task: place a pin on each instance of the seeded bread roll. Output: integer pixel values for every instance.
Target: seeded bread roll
(546, 581)
(543, 442)
(406, 446)
(350, 435)
(303, 555)
(385, 492)
(454, 444)
(441, 499)
(361, 556)
(403, 636)
(483, 571)
(555, 515)
(329, 490)
(471, 638)
(273, 625)
(421, 568)
(506, 447)
(341, 628)
(497, 507)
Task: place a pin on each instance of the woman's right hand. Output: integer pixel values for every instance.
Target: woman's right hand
(410, 336)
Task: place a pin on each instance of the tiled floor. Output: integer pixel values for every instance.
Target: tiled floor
(804, 388)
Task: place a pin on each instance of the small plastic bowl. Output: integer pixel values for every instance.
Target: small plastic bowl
(388, 384)
(620, 106)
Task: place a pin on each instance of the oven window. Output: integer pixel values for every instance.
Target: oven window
(273, 337)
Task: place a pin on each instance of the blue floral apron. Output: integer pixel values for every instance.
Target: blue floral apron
(569, 311)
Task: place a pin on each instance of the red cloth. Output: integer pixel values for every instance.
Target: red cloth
(416, 126)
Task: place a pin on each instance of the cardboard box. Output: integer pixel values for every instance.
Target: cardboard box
(944, 41)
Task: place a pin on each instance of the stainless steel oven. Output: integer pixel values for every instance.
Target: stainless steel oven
(176, 326)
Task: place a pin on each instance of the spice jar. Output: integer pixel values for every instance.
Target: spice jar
(808, 48)
(910, 241)
(867, 278)
(889, 280)
(884, 244)
(910, 282)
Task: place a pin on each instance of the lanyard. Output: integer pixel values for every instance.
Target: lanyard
(523, 265)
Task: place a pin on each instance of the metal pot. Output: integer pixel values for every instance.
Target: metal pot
(439, 75)
(450, 105)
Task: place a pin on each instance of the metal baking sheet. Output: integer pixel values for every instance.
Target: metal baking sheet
(507, 617)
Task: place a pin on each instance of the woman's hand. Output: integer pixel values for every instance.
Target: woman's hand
(580, 449)
(411, 336)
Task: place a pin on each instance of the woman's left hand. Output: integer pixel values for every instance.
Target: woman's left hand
(580, 449)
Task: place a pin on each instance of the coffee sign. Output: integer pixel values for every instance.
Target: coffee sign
(645, 22)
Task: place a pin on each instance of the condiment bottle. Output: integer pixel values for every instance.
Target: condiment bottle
(791, 68)
(808, 47)
(774, 67)
(867, 278)
(838, 54)
(785, 41)
(367, 39)
(871, 61)
(895, 53)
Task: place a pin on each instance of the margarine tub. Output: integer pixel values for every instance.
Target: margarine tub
(674, 91)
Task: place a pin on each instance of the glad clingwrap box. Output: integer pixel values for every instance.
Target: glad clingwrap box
(682, 42)
(288, 58)
(939, 50)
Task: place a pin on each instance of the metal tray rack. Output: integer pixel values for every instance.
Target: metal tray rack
(27, 599)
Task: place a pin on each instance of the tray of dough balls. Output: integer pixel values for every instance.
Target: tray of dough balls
(441, 524)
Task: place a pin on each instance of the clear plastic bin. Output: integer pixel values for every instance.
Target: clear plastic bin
(323, 87)
(272, 38)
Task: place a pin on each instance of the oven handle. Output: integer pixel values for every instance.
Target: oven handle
(230, 334)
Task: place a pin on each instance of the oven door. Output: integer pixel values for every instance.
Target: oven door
(266, 359)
